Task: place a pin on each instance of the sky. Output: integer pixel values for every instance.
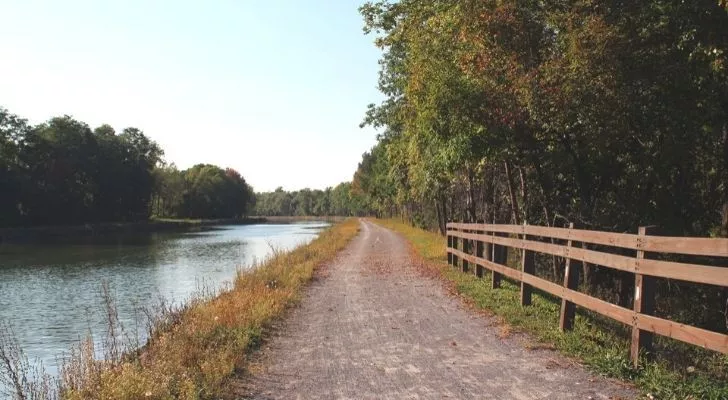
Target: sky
(273, 88)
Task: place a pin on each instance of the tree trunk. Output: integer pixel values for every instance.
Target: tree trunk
(724, 225)
(524, 195)
(556, 262)
(626, 288)
(588, 272)
(441, 214)
(471, 196)
(488, 197)
(496, 203)
(512, 194)
(725, 289)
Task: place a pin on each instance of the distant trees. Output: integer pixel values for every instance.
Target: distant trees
(339, 200)
(63, 172)
(203, 191)
(12, 130)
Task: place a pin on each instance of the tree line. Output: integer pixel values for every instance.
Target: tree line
(203, 191)
(63, 172)
(609, 115)
(338, 200)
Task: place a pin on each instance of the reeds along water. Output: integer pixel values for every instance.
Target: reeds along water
(19, 378)
(24, 379)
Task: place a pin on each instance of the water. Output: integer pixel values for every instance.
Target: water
(50, 294)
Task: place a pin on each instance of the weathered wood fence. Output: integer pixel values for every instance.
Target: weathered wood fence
(484, 246)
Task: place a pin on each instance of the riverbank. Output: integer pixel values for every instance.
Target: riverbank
(193, 352)
(296, 218)
(683, 373)
(40, 233)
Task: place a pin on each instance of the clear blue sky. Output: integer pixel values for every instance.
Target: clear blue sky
(275, 89)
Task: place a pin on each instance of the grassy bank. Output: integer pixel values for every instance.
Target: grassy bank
(193, 354)
(284, 219)
(599, 343)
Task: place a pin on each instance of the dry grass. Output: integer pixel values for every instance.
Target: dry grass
(19, 378)
(505, 331)
(193, 355)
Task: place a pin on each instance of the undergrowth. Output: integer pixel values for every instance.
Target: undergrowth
(599, 343)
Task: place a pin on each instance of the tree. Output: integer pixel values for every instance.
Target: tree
(62, 172)
(12, 130)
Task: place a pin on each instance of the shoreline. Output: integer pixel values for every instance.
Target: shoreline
(34, 233)
(195, 351)
(37, 233)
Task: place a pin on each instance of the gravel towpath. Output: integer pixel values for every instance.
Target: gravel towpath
(372, 327)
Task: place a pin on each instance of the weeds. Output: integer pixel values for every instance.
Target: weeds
(19, 379)
(598, 342)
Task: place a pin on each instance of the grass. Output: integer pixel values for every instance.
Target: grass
(193, 354)
(599, 343)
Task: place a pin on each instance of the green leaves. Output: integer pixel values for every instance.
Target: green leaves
(206, 191)
(62, 172)
(338, 200)
(613, 114)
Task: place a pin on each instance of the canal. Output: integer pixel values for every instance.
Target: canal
(50, 293)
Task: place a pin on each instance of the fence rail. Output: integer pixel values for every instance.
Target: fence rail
(489, 243)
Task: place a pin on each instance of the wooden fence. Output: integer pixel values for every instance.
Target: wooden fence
(489, 244)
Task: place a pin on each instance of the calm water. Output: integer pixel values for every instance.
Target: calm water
(51, 294)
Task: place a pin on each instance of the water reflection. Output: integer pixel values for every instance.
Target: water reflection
(50, 293)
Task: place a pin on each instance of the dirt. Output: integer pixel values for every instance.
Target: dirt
(373, 327)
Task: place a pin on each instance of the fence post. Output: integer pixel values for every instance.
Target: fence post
(488, 249)
(466, 250)
(498, 259)
(449, 247)
(455, 246)
(527, 267)
(449, 243)
(644, 302)
(571, 281)
(479, 250)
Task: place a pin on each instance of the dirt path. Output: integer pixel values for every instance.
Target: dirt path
(374, 328)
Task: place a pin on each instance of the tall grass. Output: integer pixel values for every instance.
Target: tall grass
(20, 378)
(596, 341)
(193, 350)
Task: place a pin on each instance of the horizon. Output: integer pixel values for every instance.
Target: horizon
(223, 72)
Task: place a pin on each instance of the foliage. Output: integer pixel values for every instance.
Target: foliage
(339, 201)
(203, 191)
(62, 172)
(572, 96)
(610, 116)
